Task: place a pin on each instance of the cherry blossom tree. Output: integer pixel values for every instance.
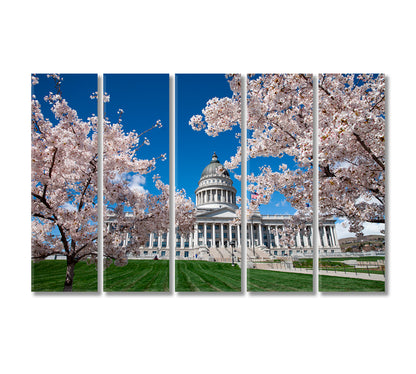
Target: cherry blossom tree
(352, 148)
(280, 122)
(64, 182)
(64, 185)
(132, 213)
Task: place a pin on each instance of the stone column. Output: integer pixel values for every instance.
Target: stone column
(251, 235)
(151, 240)
(276, 237)
(325, 239)
(222, 234)
(167, 240)
(230, 233)
(213, 235)
(298, 242)
(196, 236)
(336, 244)
(182, 242)
(305, 238)
(260, 233)
(159, 240)
(238, 236)
(205, 234)
(269, 237)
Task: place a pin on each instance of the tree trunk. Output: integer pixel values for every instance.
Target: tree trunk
(69, 278)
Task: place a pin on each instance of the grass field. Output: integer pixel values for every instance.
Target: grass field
(191, 276)
(194, 276)
(138, 276)
(340, 284)
(273, 281)
(49, 276)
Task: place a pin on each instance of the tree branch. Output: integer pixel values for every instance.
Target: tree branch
(368, 150)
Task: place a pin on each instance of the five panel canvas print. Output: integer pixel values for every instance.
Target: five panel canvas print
(206, 241)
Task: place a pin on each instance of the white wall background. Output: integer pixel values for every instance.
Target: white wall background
(205, 334)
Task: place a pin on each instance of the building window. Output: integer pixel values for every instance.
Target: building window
(178, 253)
(186, 254)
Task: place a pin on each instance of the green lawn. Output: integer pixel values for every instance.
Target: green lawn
(274, 281)
(340, 284)
(138, 276)
(153, 276)
(193, 276)
(49, 276)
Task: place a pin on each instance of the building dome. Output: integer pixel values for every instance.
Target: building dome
(215, 189)
(211, 169)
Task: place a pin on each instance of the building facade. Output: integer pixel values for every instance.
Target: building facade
(216, 236)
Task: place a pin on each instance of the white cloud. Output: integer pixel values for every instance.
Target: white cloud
(69, 207)
(342, 226)
(281, 203)
(136, 184)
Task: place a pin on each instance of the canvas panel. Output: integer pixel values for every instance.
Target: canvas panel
(64, 163)
(208, 245)
(279, 183)
(351, 182)
(136, 183)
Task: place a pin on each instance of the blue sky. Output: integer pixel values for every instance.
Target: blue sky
(194, 149)
(144, 98)
(76, 89)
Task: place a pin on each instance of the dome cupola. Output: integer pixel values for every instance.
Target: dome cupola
(215, 187)
(212, 168)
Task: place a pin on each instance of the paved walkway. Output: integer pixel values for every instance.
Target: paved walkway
(371, 276)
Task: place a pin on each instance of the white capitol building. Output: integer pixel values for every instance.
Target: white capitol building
(216, 237)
